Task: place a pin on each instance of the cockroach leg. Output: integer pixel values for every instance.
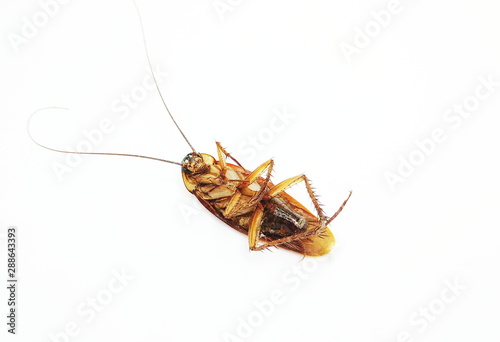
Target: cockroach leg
(221, 150)
(235, 206)
(282, 186)
(232, 207)
(222, 154)
(339, 209)
(260, 170)
(255, 226)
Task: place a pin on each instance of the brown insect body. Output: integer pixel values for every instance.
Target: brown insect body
(251, 204)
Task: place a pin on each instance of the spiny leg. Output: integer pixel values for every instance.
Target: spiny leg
(269, 165)
(282, 186)
(254, 227)
(235, 205)
(339, 209)
(222, 151)
(252, 177)
(287, 239)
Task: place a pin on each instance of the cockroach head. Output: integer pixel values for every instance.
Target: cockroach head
(193, 163)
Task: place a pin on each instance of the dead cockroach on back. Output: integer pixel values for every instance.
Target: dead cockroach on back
(247, 200)
(251, 204)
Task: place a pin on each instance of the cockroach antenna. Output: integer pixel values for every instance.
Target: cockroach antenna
(154, 78)
(98, 153)
(161, 97)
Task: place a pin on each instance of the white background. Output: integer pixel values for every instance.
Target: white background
(192, 277)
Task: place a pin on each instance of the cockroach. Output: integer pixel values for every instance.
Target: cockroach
(247, 200)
